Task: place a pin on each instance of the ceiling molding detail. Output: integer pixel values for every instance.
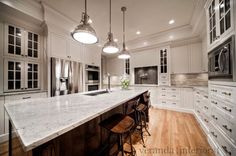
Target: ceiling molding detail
(29, 7)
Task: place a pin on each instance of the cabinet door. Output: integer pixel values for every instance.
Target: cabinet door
(212, 21)
(92, 55)
(14, 41)
(58, 46)
(76, 51)
(14, 75)
(180, 59)
(32, 75)
(32, 45)
(2, 115)
(195, 58)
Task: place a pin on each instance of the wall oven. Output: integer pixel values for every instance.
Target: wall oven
(222, 61)
(92, 74)
(92, 77)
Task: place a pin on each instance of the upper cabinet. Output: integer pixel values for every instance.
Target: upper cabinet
(21, 43)
(220, 22)
(164, 68)
(21, 59)
(187, 59)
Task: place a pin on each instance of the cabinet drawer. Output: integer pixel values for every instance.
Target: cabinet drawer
(227, 127)
(19, 98)
(226, 107)
(224, 144)
(223, 92)
(168, 103)
(164, 83)
(164, 77)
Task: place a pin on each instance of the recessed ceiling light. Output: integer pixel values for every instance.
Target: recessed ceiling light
(99, 45)
(172, 21)
(145, 43)
(171, 37)
(90, 21)
(116, 40)
(138, 32)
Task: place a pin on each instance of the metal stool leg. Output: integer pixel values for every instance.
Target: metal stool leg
(10, 139)
(145, 123)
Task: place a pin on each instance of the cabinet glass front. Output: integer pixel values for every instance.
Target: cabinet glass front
(14, 40)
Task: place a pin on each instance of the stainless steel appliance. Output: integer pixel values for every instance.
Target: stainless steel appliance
(222, 61)
(92, 77)
(66, 77)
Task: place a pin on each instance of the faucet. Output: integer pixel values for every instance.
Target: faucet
(109, 82)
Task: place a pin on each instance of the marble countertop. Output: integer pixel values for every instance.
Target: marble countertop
(39, 121)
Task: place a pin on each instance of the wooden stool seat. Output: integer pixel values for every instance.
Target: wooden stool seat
(141, 107)
(118, 123)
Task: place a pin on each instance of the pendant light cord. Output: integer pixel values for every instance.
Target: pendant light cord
(85, 7)
(123, 9)
(110, 17)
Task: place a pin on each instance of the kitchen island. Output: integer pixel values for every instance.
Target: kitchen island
(66, 125)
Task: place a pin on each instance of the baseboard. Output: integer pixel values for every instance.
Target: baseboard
(4, 137)
(184, 110)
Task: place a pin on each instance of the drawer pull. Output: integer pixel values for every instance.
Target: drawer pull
(226, 150)
(174, 103)
(198, 93)
(163, 95)
(214, 102)
(198, 101)
(206, 120)
(206, 107)
(214, 134)
(173, 95)
(225, 93)
(28, 97)
(214, 117)
(198, 111)
(228, 129)
(206, 96)
(227, 109)
(213, 90)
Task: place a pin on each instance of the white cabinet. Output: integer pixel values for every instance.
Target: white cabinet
(20, 75)
(220, 20)
(59, 46)
(63, 47)
(92, 55)
(186, 59)
(179, 60)
(223, 124)
(164, 66)
(2, 115)
(196, 58)
(144, 58)
(175, 98)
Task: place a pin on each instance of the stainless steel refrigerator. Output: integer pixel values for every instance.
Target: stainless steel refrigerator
(66, 77)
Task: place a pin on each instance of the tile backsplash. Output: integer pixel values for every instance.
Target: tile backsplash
(191, 79)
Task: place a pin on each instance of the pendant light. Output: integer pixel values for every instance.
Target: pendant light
(110, 46)
(124, 54)
(84, 32)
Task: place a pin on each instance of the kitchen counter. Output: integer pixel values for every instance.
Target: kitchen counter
(39, 121)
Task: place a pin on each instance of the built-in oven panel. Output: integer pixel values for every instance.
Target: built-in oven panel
(220, 61)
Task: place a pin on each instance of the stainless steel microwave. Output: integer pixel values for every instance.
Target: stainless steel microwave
(222, 61)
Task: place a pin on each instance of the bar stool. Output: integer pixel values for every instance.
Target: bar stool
(119, 124)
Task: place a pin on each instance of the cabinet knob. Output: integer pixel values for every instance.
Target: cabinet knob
(226, 127)
(227, 109)
(214, 134)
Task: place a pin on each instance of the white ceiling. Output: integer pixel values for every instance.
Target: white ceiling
(147, 16)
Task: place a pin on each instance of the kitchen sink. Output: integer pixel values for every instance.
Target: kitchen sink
(97, 93)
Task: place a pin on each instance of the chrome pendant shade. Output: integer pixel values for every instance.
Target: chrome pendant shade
(124, 54)
(84, 32)
(110, 46)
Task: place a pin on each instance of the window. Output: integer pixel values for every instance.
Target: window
(127, 66)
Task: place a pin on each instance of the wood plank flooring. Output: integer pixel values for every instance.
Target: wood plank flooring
(173, 134)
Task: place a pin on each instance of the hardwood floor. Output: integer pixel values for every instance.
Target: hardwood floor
(173, 134)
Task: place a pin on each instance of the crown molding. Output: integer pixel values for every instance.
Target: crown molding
(28, 7)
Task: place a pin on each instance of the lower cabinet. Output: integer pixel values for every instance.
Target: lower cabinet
(222, 126)
(14, 99)
(175, 98)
